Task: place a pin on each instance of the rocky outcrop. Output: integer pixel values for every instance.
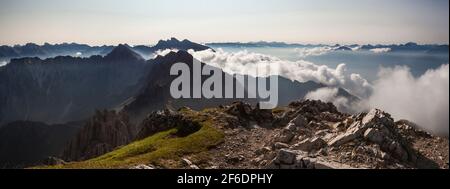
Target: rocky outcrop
(310, 144)
(318, 136)
(379, 128)
(246, 113)
(102, 133)
(164, 120)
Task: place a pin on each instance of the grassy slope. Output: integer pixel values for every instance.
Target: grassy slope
(158, 147)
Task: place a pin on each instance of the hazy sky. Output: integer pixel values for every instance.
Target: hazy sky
(146, 21)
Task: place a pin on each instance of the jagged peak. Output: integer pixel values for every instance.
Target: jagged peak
(174, 43)
(123, 51)
(171, 40)
(179, 55)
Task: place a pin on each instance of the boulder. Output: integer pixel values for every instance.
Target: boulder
(321, 164)
(239, 109)
(262, 151)
(194, 167)
(280, 145)
(285, 136)
(142, 166)
(299, 121)
(397, 151)
(186, 162)
(340, 126)
(374, 136)
(304, 162)
(330, 117)
(375, 119)
(353, 132)
(262, 116)
(310, 144)
(285, 157)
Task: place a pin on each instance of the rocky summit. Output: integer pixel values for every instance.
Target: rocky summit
(306, 134)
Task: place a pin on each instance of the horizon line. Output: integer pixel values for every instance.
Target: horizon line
(219, 42)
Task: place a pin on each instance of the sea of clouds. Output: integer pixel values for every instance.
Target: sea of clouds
(322, 50)
(315, 51)
(423, 100)
(244, 62)
(380, 50)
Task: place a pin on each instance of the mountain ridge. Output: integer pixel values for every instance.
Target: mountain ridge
(74, 49)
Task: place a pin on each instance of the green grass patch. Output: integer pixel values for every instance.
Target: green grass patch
(156, 148)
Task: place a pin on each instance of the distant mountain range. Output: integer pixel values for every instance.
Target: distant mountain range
(259, 44)
(147, 52)
(408, 47)
(49, 50)
(82, 50)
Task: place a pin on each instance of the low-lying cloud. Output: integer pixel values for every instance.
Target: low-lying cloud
(315, 51)
(380, 50)
(163, 52)
(244, 62)
(423, 100)
(3, 63)
(321, 50)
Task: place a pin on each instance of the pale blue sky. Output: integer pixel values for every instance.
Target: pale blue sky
(301, 21)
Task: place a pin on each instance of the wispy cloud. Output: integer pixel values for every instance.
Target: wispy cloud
(380, 50)
(315, 51)
(424, 100)
(163, 52)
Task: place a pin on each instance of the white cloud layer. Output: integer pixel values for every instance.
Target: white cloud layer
(380, 50)
(315, 51)
(244, 62)
(3, 63)
(423, 100)
(163, 52)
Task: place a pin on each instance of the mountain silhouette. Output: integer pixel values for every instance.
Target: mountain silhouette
(123, 52)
